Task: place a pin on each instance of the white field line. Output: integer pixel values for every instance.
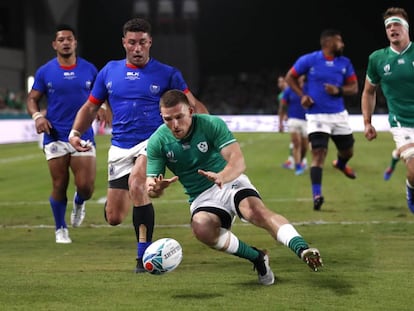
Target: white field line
(159, 201)
(21, 158)
(101, 200)
(297, 224)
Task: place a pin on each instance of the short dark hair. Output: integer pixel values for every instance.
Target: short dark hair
(395, 11)
(172, 98)
(62, 27)
(329, 33)
(137, 25)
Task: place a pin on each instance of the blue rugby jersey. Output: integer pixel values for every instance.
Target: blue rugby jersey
(294, 107)
(134, 94)
(320, 70)
(66, 89)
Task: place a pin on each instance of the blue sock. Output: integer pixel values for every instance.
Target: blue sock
(341, 163)
(141, 247)
(59, 212)
(78, 199)
(316, 190)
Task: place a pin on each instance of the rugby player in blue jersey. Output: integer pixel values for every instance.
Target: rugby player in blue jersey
(290, 107)
(205, 157)
(329, 76)
(65, 81)
(133, 87)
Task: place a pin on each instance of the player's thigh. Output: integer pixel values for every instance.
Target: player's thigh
(117, 201)
(59, 170)
(138, 171)
(84, 169)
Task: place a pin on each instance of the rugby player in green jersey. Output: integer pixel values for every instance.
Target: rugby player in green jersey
(392, 68)
(205, 157)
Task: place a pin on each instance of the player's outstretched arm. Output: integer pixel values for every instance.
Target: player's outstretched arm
(156, 185)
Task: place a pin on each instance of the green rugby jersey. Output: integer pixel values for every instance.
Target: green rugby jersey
(395, 73)
(199, 150)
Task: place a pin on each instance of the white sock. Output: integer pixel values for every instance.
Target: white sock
(285, 233)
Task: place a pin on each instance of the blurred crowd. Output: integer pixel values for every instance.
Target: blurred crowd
(225, 94)
(256, 93)
(12, 102)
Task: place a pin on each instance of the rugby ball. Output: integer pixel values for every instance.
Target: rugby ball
(162, 256)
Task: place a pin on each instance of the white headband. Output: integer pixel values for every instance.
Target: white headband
(396, 19)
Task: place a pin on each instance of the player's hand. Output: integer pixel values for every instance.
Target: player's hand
(332, 89)
(43, 125)
(155, 188)
(80, 144)
(212, 176)
(370, 132)
(104, 115)
(306, 101)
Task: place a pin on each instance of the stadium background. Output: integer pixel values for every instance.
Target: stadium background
(229, 51)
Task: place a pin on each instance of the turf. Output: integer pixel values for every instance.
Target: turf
(364, 232)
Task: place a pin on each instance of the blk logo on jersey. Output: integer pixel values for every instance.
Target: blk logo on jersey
(132, 75)
(69, 75)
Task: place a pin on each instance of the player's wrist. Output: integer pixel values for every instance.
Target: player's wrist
(74, 133)
(37, 115)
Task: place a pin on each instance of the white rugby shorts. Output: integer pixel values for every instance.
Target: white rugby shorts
(57, 149)
(222, 198)
(121, 160)
(330, 123)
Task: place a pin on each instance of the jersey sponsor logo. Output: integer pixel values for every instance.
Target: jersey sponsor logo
(69, 75)
(401, 61)
(202, 146)
(154, 89)
(132, 75)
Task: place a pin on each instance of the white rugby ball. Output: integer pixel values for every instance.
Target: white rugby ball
(162, 256)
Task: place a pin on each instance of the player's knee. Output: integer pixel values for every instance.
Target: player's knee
(113, 220)
(85, 191)
(111, 217)
(203, 231)
(408, 154)
(223, 239)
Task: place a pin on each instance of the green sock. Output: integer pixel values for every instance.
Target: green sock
(394, 162)
(246, 251)
(297, 245)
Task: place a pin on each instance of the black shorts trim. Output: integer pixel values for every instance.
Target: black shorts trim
(119, 183)
(225, 218)
(242, 194)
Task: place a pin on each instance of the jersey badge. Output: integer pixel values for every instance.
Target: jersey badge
(154, 89)
(202, 146)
